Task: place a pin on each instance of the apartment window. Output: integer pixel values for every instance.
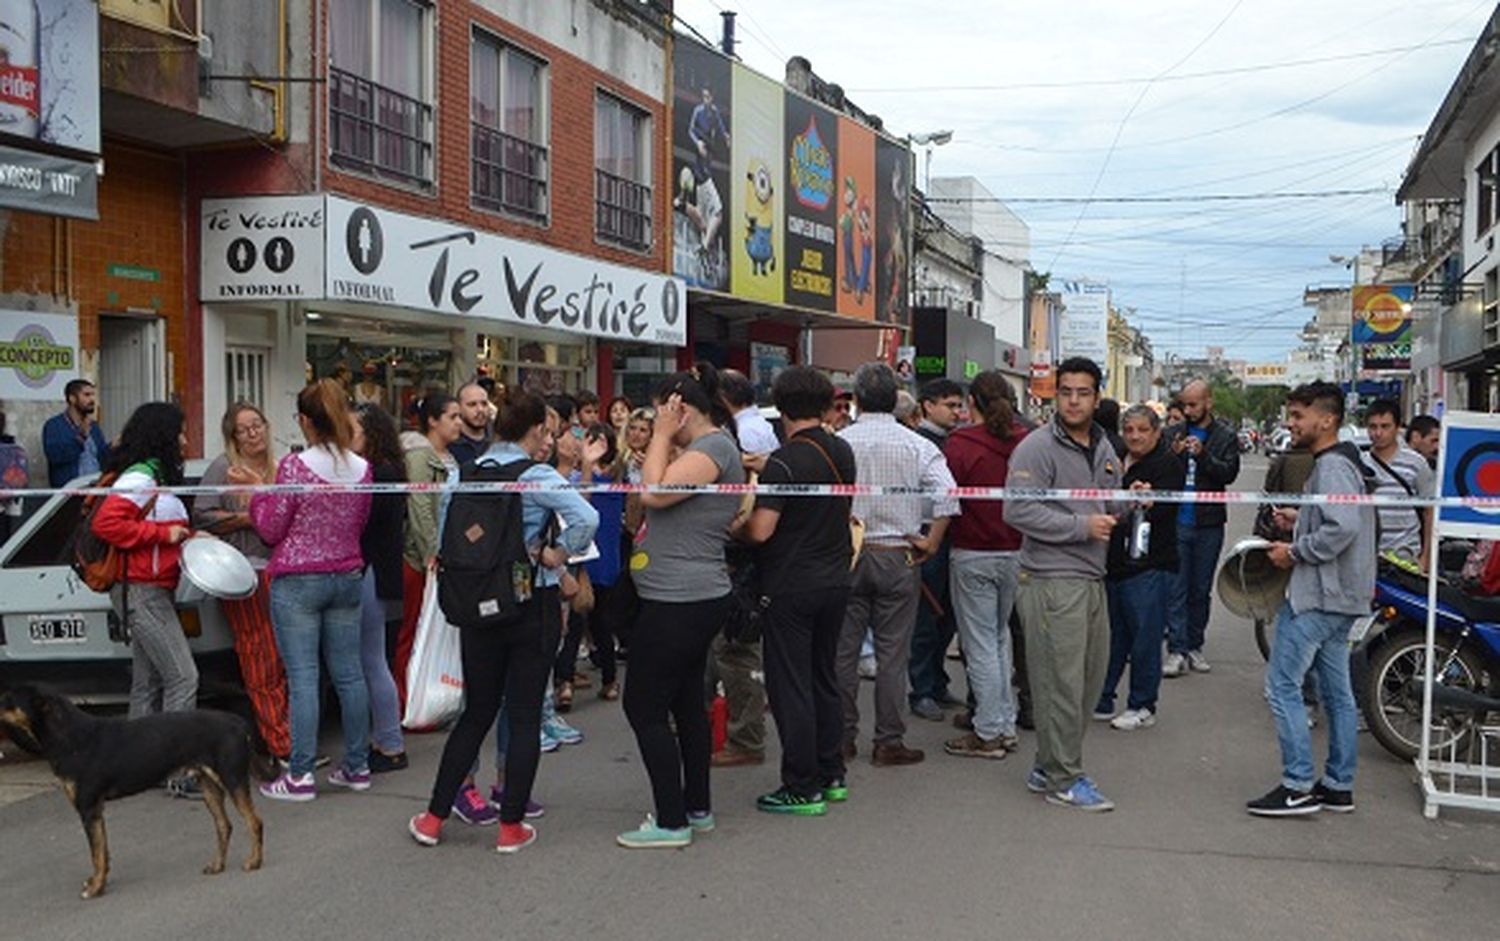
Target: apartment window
(379, 92)
(622, 173)
(509, 162)
(1484, 215)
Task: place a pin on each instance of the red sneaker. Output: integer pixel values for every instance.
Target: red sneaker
(515, 837)
(425, 828)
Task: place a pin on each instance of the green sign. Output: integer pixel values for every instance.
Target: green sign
(134, 273)
(972, 369)
(931, 364)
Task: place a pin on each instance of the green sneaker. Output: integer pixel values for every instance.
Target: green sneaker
(784, 801)
(836, 791)
(650, 836)
(700, 822)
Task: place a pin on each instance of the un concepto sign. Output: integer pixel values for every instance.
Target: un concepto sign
(327, 247)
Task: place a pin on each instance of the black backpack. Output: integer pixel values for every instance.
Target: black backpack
(485, 574)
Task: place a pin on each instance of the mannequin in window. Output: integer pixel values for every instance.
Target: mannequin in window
(369, 391)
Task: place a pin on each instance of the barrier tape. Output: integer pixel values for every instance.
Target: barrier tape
(808, 490)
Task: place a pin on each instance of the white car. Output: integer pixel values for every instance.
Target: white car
(56, 629)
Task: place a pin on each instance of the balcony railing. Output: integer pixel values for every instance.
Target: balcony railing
(622, 210)
(508, 174)
(374, 129)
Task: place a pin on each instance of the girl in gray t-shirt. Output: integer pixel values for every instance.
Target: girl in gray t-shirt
(679, 572)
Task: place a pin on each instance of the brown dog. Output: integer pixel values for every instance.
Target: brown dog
(99, 759)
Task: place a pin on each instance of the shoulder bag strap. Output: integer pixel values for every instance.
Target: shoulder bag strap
(823, 451)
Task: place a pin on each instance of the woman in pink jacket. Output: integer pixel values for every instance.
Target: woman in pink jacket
(316, 571)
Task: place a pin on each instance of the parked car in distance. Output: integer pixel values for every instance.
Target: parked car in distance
(55, 629)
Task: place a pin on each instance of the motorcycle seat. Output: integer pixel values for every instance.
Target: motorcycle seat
(1475, 608)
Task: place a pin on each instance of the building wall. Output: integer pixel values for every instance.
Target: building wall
(140, 226)
(572, 86)
(964, 203)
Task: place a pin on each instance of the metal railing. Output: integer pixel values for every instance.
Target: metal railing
(507, 173)
(374, 129)
(622, 210)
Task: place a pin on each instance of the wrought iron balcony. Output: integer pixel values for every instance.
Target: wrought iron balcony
(508, 174)
(622, 210)
(376, 130)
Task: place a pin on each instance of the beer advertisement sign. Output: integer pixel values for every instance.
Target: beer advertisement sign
(49, 74)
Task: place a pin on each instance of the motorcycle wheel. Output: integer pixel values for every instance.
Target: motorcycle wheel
(1393, 697)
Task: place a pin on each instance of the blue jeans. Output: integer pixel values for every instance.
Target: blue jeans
(1312, 640)
(984, 594)
(1198, 550)
(309, 612)
(385, 705)
(928, 669)
(1136, 606)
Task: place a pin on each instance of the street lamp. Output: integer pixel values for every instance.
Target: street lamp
(929, 140)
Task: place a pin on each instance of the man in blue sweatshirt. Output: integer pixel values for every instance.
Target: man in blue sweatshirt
(1332, 560)
(74, 444)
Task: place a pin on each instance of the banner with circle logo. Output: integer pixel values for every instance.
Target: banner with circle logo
(38, 355)
(1469, 466)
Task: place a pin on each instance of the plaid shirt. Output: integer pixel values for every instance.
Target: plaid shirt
(888, 454)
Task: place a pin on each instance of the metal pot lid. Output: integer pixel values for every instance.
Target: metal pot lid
(218, 569)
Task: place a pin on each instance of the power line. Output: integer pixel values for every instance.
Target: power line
(1200, 198)
(1186, 76)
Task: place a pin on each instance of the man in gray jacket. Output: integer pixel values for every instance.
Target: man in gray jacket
(1332, 560)
(1061, 599)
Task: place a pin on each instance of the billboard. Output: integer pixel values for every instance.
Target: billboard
(701, 116)
(1382, 325)
(1085, 321)
(777, 198)
(811, 206)
(49, 73)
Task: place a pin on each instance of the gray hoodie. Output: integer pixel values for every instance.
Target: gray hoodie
(1334, 543)
(1056, 533)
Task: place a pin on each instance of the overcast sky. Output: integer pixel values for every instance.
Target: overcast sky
(1198, 274)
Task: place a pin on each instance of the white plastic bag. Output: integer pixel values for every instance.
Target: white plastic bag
(434, 675)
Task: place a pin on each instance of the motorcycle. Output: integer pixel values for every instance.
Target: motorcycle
(1466, 668)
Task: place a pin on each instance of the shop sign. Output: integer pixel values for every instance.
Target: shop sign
(383, 257)
(54, 186)
(38, 355)
(134, 272)
(262, 248)
(1085, 321)
(49, 75)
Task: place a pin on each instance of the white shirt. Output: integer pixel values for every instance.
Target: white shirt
(888, 454)
(755, 434)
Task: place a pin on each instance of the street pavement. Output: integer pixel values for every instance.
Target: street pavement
(953, 848)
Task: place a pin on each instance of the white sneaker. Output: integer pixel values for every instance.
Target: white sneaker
(1198, 663)
(1132, 719)
(867, 668)
(1174, 665)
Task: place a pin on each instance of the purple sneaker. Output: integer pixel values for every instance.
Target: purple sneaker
(534, 809)
(353, 780)
(291, 787)
(473, 809)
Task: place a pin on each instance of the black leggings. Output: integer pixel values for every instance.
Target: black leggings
(668, 656)
(509, 663)
(602, 624)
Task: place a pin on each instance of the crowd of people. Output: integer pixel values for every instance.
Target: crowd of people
(1051, 602)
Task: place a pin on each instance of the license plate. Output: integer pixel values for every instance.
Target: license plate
(58, 630)
(1360, 629)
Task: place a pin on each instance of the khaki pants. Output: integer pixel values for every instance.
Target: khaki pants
(735, 664)
(1067, 654)
(884, 600)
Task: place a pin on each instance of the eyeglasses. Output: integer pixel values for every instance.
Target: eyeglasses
(251, 428)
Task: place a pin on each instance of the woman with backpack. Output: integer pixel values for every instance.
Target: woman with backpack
(316, 573)
(511, 661)
(683, 583)
(248, 459)
(148, 529)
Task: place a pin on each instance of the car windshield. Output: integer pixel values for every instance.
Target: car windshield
(48, 544)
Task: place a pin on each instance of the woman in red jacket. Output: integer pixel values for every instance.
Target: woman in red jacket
(149, 529)
(984, 565)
